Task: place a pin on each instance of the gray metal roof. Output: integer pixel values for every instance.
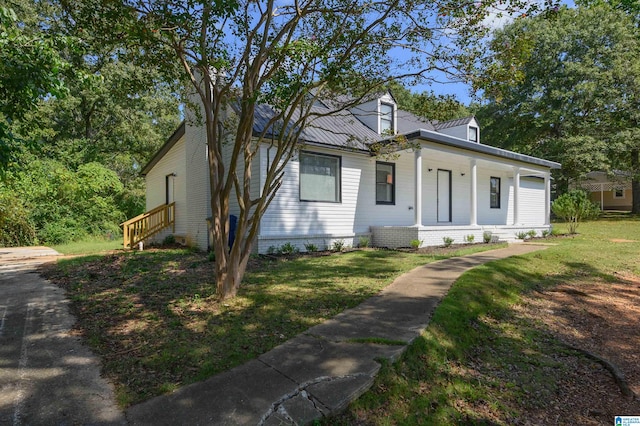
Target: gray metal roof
(339, 129)
(453, 123)
(447, 140)
(343, 130)
(408, 122)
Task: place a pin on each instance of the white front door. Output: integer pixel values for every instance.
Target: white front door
(444, 195)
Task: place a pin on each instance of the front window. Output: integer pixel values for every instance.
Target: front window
(319, 177)
(473, 134)
(494, 192)
(385, 183)
(618, 193)
(386, 119)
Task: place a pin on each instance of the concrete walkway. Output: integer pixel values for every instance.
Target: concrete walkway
(321, 371)
(47, 377)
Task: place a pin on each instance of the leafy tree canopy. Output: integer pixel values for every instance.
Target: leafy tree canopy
(561, 85)
(428, 105)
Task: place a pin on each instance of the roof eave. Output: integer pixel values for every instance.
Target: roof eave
(171, 141)
(443, 139)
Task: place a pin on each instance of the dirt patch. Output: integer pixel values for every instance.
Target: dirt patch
(601, 318)
(621, 240)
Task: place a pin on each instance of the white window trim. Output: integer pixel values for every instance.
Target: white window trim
(393, 117)
(477, 134)
(622, 197)
(338, 159)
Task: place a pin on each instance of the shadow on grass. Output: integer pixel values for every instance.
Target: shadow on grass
(154, 319)
(478, 362)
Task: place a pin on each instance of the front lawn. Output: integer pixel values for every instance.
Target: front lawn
(501, 347)
(153, 318)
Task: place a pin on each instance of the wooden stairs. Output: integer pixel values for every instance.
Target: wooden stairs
(148, 224)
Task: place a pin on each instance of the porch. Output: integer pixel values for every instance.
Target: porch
(401, 236)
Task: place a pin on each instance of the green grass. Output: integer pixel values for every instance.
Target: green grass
(89, 246)
(479, 362)
(153, 317)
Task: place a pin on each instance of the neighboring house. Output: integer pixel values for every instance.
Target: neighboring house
(610, 191)
(336, 189)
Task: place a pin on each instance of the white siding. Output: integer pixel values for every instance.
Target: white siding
(532, 201)
(495, 216)
(172, 162)
(198, 194)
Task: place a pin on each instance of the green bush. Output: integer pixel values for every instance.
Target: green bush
(363, 242)
(574, 207)
(447, 241)
(486, 237)
(338, 245)
(16, 229)
(310, 247)
(469, 238)
(287, 248)
(415, 244)
(62, 232)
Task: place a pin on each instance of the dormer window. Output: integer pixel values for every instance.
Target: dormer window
(386, 119)
(473, 134)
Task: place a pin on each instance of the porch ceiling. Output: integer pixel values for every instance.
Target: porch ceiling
(438, 158)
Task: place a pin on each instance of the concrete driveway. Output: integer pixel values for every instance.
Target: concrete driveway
(46, 376)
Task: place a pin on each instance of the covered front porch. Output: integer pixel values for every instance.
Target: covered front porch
(466, 196)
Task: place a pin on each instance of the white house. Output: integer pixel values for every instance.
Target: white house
(448, 185)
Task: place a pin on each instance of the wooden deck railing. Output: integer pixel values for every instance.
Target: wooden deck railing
(148, 224)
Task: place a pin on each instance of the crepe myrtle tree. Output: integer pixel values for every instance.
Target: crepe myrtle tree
(239, 54)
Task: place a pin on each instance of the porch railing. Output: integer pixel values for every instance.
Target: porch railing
(148, 224)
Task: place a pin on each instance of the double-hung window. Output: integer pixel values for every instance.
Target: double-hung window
(385, 183)
(494, 192)
(386, 119)
(473, 134)
(319, 177)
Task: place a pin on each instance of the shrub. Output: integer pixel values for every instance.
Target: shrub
(522, 235)
(338, 245)
(486, 237)
(63, 231)
(211, 256)
(169, 240)
(287, 248)
(415, 243)
(310, 247)
(15, 227)
(272, 250)
(447, 241)
(532, 233)
(469, 238)
(545, 233)
(573, 207)
(363, 242)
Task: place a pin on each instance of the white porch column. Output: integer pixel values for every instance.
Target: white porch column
(516, 195)
(473, 212)
(418, 195)
(547, 198)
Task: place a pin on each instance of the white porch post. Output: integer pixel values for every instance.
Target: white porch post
(418, 195)
(516, 195)
(473, 213)
(547, 198)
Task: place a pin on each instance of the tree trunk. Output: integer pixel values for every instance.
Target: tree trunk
(635, 181)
